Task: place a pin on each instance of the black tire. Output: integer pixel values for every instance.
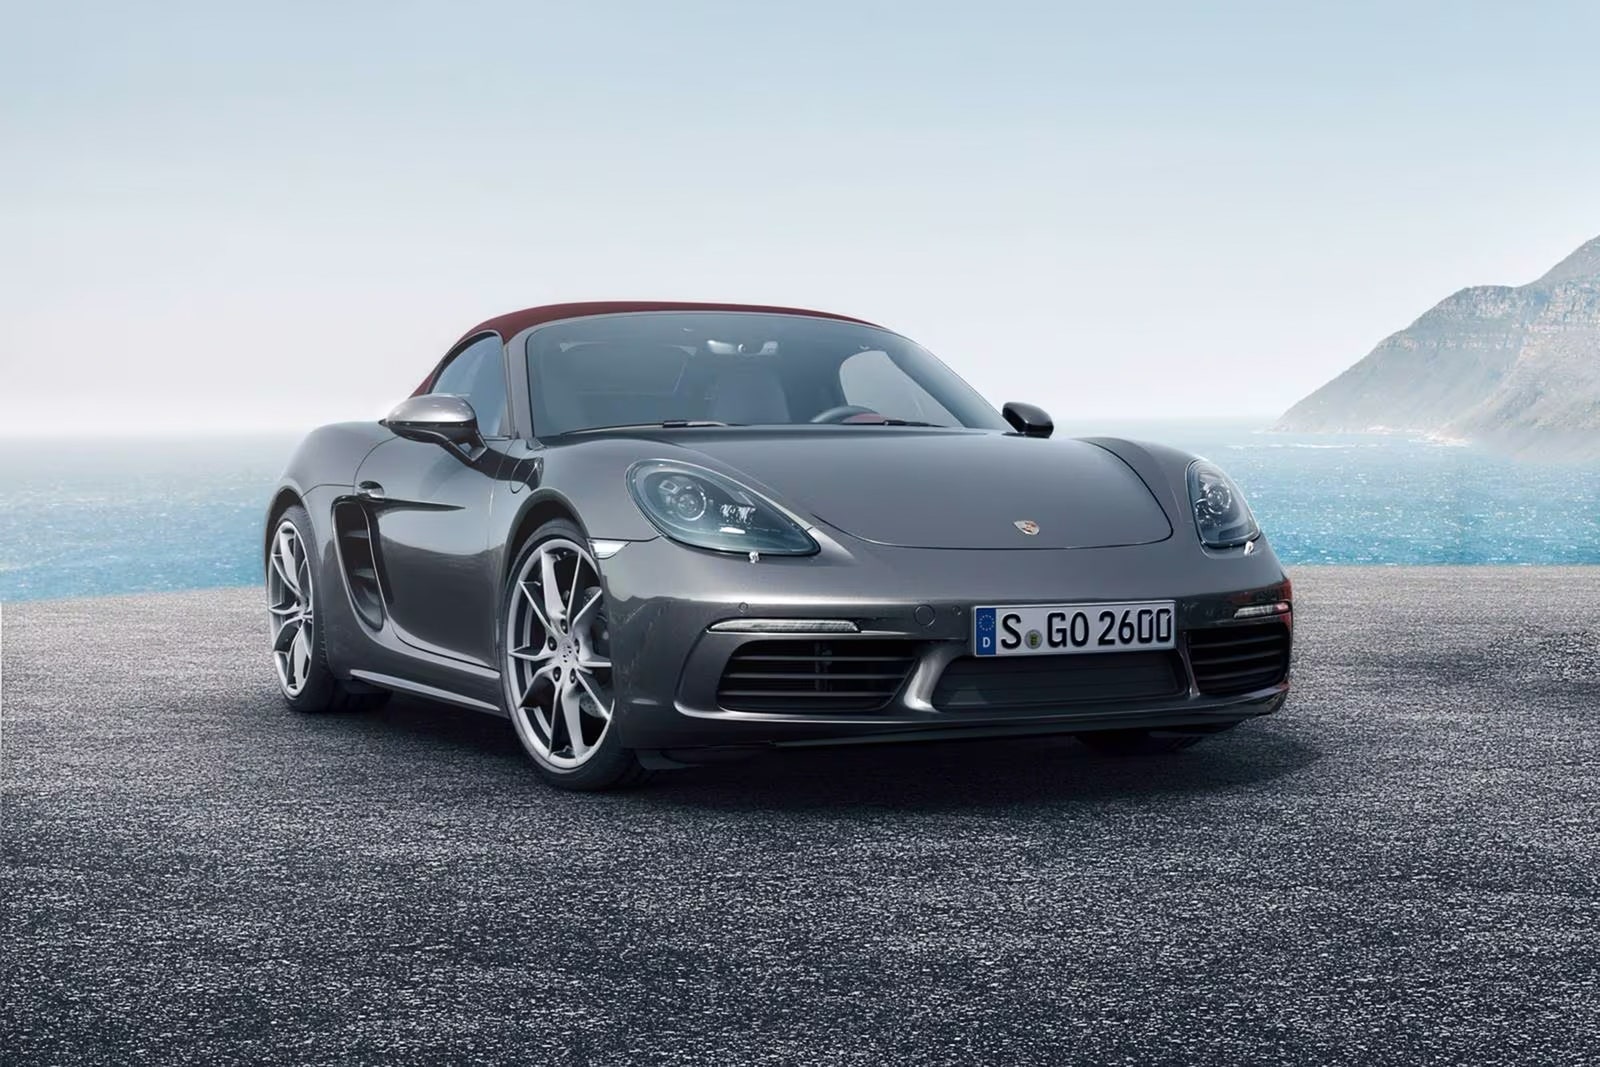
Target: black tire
(1149, 742)
(322, 691)
(609, 765)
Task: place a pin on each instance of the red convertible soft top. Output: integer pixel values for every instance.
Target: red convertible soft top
(513, 323)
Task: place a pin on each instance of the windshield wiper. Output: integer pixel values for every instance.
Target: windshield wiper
(665, 424)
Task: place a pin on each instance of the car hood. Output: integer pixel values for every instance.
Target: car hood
(947, 489)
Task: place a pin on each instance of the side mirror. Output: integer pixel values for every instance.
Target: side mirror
(436, 418)
(1028, 420)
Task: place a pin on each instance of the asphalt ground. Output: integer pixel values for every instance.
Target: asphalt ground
(1401, 866)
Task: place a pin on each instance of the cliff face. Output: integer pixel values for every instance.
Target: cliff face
(1516, 368)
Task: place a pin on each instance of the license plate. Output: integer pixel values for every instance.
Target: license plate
(1057, 629)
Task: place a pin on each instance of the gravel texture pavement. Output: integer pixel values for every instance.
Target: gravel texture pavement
(1401, 866)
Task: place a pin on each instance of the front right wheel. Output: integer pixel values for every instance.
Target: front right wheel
(294, 604)
(556, 664)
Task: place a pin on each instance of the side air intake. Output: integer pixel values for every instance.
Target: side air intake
(358, 558)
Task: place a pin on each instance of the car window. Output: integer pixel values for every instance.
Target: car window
(872, 380)
(477, 373)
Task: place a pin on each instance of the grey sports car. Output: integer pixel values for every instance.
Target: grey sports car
(655, 534)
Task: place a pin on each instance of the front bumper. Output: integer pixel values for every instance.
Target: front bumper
(664, 600)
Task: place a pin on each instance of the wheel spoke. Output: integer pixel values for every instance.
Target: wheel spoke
(285, 566)
(538, 612)
(527, 691)
(601, 707)
(300, 657)
(294, 557)
(573, 716)
(591, 662)
(572, 590)
(553, 609)
(587, 606)
(531, 654)
(288, 630)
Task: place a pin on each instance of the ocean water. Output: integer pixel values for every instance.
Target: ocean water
(130, 515)
(1393, 499)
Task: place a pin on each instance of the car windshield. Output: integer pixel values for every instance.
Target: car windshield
(738, 368)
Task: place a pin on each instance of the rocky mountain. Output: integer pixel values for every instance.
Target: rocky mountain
(1517, 368)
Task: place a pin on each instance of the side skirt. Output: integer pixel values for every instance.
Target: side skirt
(405, 685)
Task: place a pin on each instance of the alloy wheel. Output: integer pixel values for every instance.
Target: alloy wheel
(558, 658)
(289, 602)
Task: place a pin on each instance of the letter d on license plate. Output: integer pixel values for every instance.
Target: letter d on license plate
(1059, 629)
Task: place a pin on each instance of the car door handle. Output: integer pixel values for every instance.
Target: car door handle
(369, 491)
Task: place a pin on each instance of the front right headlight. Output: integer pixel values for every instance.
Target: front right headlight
(1220, 513)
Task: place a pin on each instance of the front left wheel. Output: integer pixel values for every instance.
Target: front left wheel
(556, 664)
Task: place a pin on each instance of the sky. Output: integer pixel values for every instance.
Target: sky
(259, 217)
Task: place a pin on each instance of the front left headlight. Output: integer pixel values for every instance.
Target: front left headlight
(1220, 513)
(705, 509)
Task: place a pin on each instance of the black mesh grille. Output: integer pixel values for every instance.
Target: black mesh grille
(360, 558)
(1237, 659)
(820, 676)
(974, 683)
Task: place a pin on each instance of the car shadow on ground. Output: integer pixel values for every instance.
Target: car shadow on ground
(981, 773)
(443, 725)
(927, 775)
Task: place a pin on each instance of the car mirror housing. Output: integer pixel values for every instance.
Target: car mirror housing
(1027, 420)
(437, 418)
